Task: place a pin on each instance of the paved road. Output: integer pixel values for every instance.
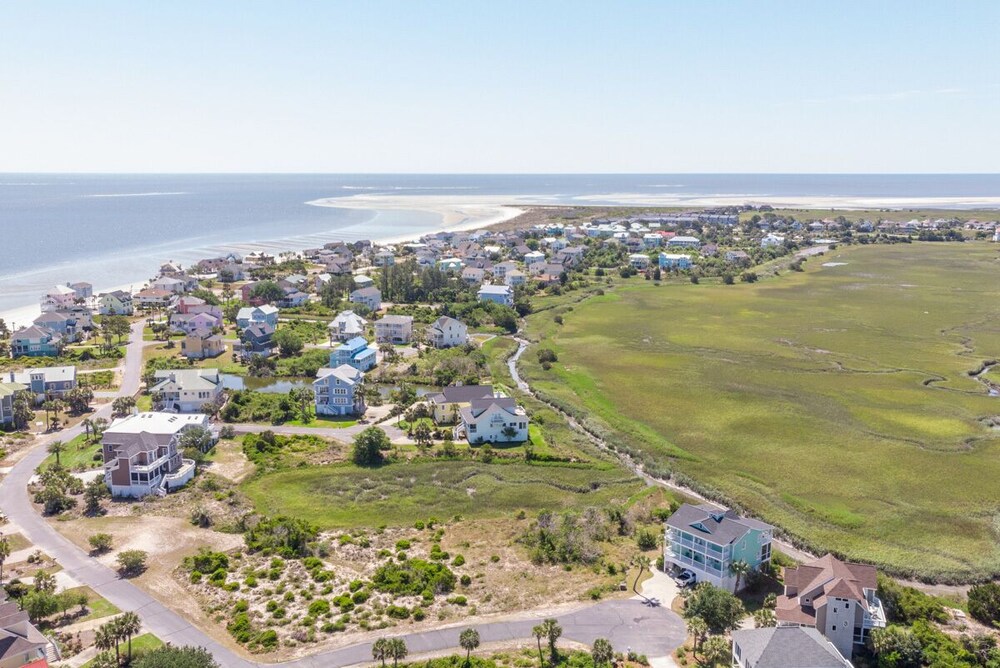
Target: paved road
(654, 631)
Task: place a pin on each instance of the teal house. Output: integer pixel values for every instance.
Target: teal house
(356, 353)
(707, 540)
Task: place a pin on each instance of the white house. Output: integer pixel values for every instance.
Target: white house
(772, 240)
(59, 297)
(639, 261)
(346, 326)
(186, 390)
(394, 329)
(494, 420)
(447, 332)
(533, 257)
(141, 454)
(118, 302)
(684, 242)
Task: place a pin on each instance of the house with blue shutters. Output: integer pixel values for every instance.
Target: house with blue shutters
(338, 391)
(355, 352)
(707, 540)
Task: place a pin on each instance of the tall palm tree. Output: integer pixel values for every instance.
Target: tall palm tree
(57, 448)
(642, 561)
(88, 424)
(103, 638)
(697, 628)
(4, 553)
(740, 569)
(602, 652)
(129, 624)
(380, 650)
(469, 640)
(539, 632)
(398, 649)
(552, 632)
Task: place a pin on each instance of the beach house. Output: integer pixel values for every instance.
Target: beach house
(36, 341)
(338, 391)
(447, 404)
(683, 242)
(447, 332)
(674, 261)
(639, 261)
(8, 392)
(59, 297)
(253, 315)
(71, 327)
(45, 382)
(355, 352)
(494, 420)
(186, 390)
(141, 453)
(784, 647)
(346, 326)
(117, 302)
(707, 540)
(498, 294)
(22, 645)
(837, 598)
(771, 240)
(369, 297)
(257, 339)
(202, 344)
(394, 329)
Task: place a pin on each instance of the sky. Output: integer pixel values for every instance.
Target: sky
(529, 86)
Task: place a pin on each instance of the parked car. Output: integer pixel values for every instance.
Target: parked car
(686, 578)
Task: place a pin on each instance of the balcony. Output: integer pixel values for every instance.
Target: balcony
(874, 612)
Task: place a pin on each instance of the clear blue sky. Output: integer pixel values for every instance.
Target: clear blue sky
(513, 86)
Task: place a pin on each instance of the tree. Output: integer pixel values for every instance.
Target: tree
(539, 632)
(100, 542)
(95, 491)
(380, 650)
(110, 635)
(170, 656)
(642, 561)
(196, 440)
(131, 562)
(719, 608)
(45, 582)
(57, 448)
(118, 325)
(716, 650)
(602, 652)
(23, 412)
(79, 399)
(740, 569)
(422, 435)
(397, 650)
(4, 553)
(289, 343)
(897, 647)
(304, 397)
(764, 618)
(697, 629)
(984, 603)
(39, 605)
(122, 406)
(368, 447)
(129, 625)
(469, 640)
(552, 633)
(269, 291)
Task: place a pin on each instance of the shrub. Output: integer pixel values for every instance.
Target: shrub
(459, 560)
(268, 639)
(646, 540)
(195, 577)
(984, 603)
(907, 605)
(241, 606)
(131, 562)
(413, 577)
(100, 542)
(466, 580)
(319, 607)
(359, 597)
(458, 600)
(419, 615)
(402, 544)
(397, 612)
(287, 536)
(207, 561)
(368, 446)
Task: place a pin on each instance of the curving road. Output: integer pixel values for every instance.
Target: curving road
(651, 630)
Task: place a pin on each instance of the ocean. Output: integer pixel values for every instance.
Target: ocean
(115, 230)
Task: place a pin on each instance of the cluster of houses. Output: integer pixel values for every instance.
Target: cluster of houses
(40, 383)
(828, 606)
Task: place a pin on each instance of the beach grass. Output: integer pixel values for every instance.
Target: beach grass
(836, 403)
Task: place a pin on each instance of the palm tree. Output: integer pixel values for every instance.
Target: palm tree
(764, 618)
(111, 634)
(602, 652)
(4, 553)
(380, 650)
(56, 448)
(104, 639)
(642, 561)
(469, 640)
(88, 424)
(552, 631)
(697, 628)
(398, 650)
(739, 568)
(539, 632)
(717, 650)
(129, 624)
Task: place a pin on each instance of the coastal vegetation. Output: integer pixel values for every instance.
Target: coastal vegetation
(837, 403)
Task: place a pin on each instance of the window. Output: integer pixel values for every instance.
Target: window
(834, 627)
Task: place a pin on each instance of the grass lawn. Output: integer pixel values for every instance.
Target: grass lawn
(98, 606)
(145, 642)
(834, 403)
(323, 423)
(344, 496)
(16, 541)
(78, 452)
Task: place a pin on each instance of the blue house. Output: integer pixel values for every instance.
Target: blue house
(500, 294)
(256, 315)
(707, 541)
(338, 391)
(674, 261)
(45, 382)
(355, 353)
(36, 341)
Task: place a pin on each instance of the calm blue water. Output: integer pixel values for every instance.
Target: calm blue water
(113, 229)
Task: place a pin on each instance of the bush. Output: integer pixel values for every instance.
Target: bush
(359, 597)
(207, 561)
(646, 540)
(268, 639)
(984, 603)
(286, 536)
(413, 577)
(319, 607)
(195, 577)
(368, 447)
(227, 432)
(240, 628)
(907, 605)
(131, 562)
(547, 355)
(459, 560)
(397, 612)
(721, 610)
(100, 542)
(466, 580)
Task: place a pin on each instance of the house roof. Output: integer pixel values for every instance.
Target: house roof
(370, 291)
(34, 332)
(838, 578)
(156, 423)
(259, 330)
(345, 373)
(461, 394)
(187, 379)
(9, 389)
(787, 647)
(722, 527)
(495, 290)
(395, 320)
(51, 374)
(352, 321)
(445, 321)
